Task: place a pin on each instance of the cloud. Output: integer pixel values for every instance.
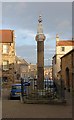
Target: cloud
(26, 32)
(64, 25)
(25, 36)
(27, 14)
(23, 18)
(28, 52)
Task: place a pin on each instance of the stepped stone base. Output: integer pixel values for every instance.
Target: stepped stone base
(44, 101)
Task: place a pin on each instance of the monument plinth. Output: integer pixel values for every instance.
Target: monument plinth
(40, 37)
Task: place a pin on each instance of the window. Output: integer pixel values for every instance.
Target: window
(5, 65)
(62, 48)
(16, 87)
(5, 48)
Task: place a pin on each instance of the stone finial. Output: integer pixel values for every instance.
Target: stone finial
(40, 36)
(40, 27)
(40, 19)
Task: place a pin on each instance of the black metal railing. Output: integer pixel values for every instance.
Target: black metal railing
(52, 91)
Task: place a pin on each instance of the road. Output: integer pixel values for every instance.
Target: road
(16, 109)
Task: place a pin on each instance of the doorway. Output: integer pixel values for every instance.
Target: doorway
(68, 79)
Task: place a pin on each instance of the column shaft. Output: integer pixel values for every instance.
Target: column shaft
(40, 64)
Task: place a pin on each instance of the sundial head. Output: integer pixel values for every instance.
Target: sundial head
(40, 18)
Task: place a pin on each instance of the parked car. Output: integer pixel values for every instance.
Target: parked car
(16, 91)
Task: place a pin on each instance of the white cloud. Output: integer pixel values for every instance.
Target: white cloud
(28, 33)
(64, 25)
(28, 52)
(23, 18)
(25, 36)
(50, 36)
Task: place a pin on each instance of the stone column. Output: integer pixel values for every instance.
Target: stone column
(40, 55)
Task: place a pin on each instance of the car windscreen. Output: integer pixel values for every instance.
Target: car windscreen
(16, 87)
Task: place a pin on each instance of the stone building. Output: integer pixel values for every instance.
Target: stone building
(32, 70)
(7, 50)
(48, 72)
(21, 68)
(67, 69)
(62, 47)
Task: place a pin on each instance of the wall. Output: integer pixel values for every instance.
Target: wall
(10, 57)
(57, 65)
(66, 62)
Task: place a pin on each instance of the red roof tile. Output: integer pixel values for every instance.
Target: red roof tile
(6, 36)
(65, 43)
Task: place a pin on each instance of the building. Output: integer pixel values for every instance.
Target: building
(32, 70)
(67, 69)
(21, 68)
(7, 50)
(48, 72)
(62, 47)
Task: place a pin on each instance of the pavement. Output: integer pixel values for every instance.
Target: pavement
(16, 109)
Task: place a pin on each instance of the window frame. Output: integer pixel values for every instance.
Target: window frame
(5, 49)
(63, 49)
(5, 67)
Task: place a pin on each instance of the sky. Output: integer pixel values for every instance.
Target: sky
(22, 17)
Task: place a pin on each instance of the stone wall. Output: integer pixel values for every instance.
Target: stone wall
(67, 68)
(10, 57)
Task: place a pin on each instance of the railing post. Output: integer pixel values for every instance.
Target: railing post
(22, 89)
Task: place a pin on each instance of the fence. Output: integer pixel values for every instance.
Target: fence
(51, 92)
